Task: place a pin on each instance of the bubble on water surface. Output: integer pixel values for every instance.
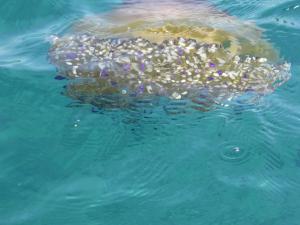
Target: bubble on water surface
(234, 154)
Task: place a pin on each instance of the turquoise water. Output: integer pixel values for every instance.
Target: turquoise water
(62, 162)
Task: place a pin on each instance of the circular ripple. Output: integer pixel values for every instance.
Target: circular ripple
(234, 154)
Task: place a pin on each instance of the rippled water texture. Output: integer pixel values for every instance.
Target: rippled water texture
(64, 162)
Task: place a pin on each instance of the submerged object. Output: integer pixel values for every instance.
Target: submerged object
(176, 68)
(175, 61)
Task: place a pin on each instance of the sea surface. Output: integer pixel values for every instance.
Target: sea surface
(66, 163)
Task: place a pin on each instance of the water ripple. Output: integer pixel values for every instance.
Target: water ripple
(155, 162)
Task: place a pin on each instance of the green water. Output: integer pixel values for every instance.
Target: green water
(62, 162)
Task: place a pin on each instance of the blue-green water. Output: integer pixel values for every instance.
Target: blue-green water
(62, 163)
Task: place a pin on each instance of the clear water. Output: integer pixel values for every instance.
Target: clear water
(62, 163)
